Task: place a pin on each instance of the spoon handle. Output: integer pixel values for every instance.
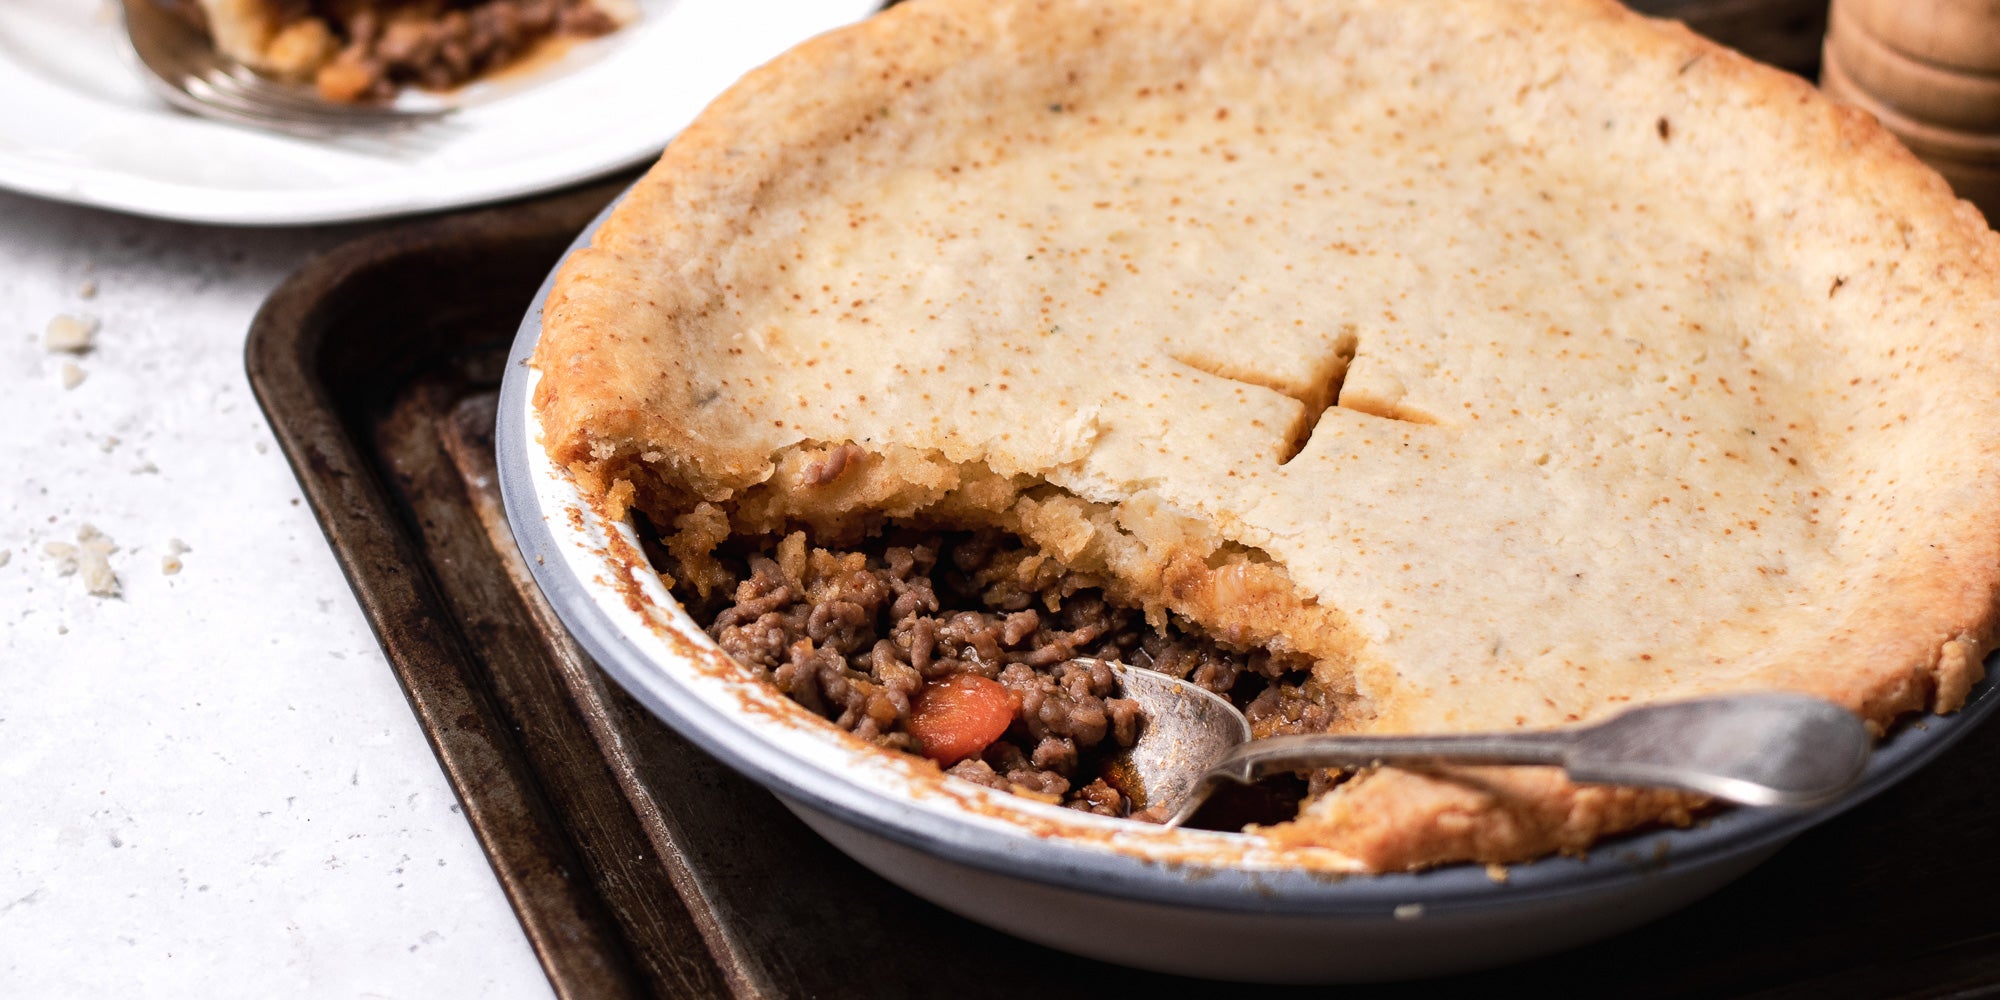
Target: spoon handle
(1253, 760)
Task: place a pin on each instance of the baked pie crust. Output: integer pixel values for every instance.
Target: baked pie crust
(1515, 361)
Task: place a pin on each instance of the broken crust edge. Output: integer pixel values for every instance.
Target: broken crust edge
(1163, 561)
(1146, 553)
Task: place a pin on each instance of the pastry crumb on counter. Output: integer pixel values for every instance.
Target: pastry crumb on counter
(170, 563)
(6, 556)
(67, 334)
(111, 441)
(73, 375)
(87, 290)
(1498, 873)
(89, 557)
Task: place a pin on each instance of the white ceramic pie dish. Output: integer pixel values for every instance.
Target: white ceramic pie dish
(1187, 902)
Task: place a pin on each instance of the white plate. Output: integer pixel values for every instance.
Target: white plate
(77, 123)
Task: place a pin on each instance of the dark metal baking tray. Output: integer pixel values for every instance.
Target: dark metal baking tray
(639, 867)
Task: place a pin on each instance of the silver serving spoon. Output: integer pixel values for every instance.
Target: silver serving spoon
(1756, 749)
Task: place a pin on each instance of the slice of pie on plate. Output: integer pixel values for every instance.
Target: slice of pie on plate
(1511, 363)
(363, 50)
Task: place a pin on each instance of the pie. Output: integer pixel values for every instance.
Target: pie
(1497, 365)
(365, 50)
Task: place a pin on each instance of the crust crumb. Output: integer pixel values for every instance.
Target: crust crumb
(695, 536)
(90, 557)
(1959, 668)
(68, 334)
(619, 497)
(170, 563)
(829, 468)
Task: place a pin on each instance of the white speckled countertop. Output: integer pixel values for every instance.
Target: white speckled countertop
(210, 785)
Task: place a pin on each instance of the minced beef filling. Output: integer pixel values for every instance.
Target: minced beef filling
(860, 635)
(438, 44)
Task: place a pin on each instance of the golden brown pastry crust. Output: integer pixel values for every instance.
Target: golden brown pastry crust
(1654, 373)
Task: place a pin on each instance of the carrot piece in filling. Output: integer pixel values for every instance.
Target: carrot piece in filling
(961, 715)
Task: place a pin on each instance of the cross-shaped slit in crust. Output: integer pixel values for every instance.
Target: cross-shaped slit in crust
(1319, 382)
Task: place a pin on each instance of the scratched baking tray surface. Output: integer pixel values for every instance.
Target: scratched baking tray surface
(640, 867)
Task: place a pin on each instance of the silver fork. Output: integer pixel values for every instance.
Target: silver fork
(184, 68)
